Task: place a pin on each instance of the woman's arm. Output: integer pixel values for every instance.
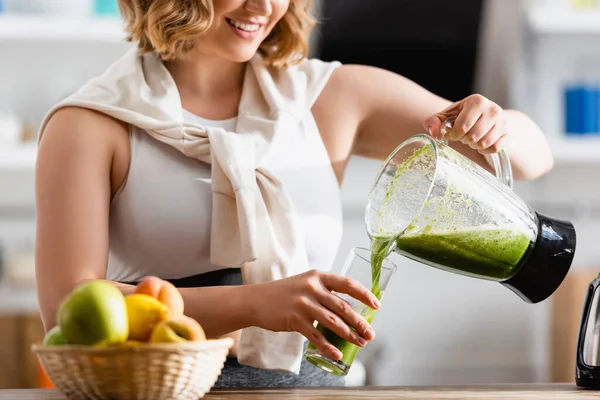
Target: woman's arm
(73, 190)
(368, 111)
(80, 166)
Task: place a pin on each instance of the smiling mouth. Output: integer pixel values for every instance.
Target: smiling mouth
(243, 26)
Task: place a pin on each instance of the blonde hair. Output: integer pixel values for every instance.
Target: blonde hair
(169, 28)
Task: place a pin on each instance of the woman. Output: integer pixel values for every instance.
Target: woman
(220, 146)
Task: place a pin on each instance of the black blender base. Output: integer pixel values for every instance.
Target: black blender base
(548, 263)
(588, 378)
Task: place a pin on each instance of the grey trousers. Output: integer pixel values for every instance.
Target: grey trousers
(236, 375)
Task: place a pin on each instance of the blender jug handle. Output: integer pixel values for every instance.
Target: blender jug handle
(501, 161)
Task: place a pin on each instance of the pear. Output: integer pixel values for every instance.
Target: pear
(94, 313)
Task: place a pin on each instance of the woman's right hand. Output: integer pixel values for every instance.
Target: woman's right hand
(293, 304)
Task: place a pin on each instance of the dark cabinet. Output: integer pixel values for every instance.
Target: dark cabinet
(432, 42)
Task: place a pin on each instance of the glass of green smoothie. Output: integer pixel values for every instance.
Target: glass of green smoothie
(373, 271)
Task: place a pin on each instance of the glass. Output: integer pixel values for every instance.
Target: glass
(359, 267)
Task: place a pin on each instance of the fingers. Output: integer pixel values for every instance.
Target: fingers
(493, 142)
(316, 338)
(334, 313)
(343, 284)
(489, 121)
(479, 123)
(350, 318)
(470, 122)
(336, 325)
(433, 125)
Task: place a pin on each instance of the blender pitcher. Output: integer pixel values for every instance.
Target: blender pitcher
(433, 205)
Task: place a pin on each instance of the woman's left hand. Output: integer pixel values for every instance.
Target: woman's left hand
(480, 124)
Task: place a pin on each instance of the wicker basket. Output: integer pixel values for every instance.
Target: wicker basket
(150, 371)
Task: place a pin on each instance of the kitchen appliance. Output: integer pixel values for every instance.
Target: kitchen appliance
(587, 368)
(433, 205)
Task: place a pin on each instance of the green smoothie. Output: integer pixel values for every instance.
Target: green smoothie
(380, 249)
(485, 251)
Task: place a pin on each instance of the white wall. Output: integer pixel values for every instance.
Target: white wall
(34, 75)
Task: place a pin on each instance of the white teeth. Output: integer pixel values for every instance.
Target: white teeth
(244, 27)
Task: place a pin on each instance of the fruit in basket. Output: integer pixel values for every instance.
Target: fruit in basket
(144, 312)
(54, 337)
(94, 313)
(177, 329)
(162, 290)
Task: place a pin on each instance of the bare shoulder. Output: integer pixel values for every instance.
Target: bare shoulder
(363, 85)
(340, 108)
(372, 109)
(76, 137)
(344, 80)
(349, 92)
(75, 126)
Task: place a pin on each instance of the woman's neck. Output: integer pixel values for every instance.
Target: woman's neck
(209, 87)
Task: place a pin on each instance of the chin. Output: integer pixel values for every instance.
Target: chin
(241, 56)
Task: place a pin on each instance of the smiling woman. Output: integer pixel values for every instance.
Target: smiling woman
(170, 30)
(211, 156)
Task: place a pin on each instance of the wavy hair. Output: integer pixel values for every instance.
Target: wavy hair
(169, 28)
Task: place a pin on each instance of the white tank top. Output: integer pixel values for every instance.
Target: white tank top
(160, 219)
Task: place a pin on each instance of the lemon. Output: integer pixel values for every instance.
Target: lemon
(144, 312)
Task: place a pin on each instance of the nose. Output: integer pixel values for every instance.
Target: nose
(259, 7)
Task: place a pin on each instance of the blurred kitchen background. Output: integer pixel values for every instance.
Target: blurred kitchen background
(542, 57)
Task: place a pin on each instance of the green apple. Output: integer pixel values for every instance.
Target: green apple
(55, 337)
(94, 313)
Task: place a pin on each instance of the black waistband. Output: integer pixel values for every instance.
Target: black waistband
(221, 277)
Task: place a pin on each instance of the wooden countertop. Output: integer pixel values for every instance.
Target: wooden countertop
(495, 392)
